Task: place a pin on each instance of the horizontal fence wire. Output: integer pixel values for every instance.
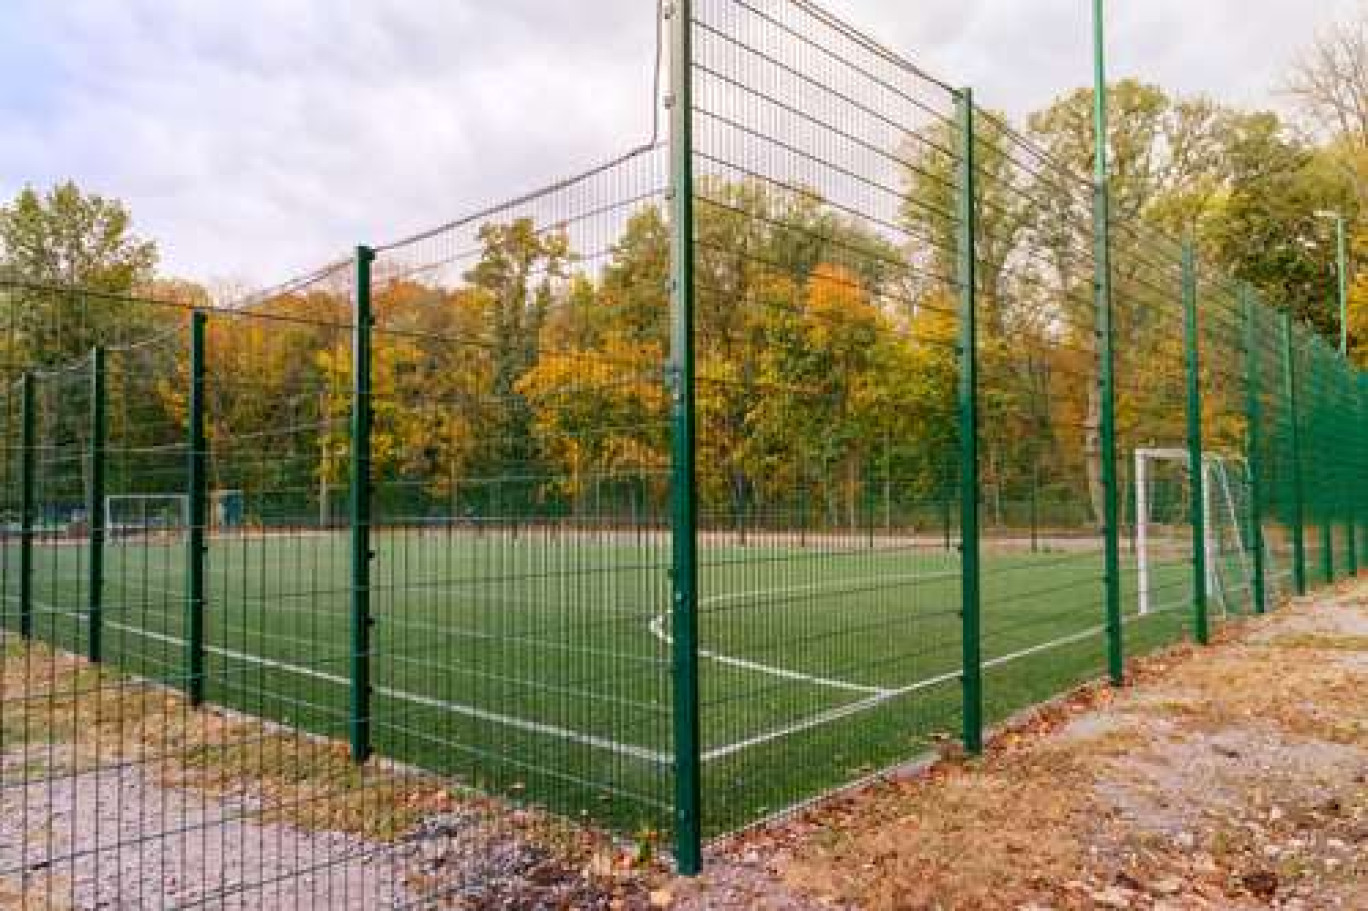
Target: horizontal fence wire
(286, 580)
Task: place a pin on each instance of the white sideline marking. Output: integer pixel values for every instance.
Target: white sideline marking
(455, 708)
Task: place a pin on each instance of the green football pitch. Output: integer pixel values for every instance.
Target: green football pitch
(538, 663)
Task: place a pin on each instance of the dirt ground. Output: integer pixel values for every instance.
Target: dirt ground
(1230, 777)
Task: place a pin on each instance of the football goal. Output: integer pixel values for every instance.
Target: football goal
(129, 515)
(1163, 523)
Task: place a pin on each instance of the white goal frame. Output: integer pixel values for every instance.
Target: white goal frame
(112, 527)
(1216, 495)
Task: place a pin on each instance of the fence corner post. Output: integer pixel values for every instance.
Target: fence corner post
(95, 511)
(1196, 458)
(970, 569)
(683, 468)
(361, 493)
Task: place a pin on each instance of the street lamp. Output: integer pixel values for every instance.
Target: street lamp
(1342, 283)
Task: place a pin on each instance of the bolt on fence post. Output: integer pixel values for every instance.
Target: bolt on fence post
(683, 460)
(1253, 440)
(1294, 441)
(359, 695)
(1196, 460)
(198, 494)
(27, 469)
(970, 596)
(95, 514)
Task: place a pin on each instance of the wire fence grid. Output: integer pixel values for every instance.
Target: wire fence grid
(764, 458)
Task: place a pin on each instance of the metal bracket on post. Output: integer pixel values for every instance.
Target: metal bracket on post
(359, 700)
(970, 570)
(95, 511)
(683, 454)
(195, 545)
(1196, 458)
(1294, 440)
(1254, 440)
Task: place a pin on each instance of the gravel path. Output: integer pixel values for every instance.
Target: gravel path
(114, 839)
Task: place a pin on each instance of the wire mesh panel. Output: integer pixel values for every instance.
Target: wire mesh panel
(521, 483)
(829, 630)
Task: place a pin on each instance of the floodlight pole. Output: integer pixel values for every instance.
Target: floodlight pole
(1107, 380)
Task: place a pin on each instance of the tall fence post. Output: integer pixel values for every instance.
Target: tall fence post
(27, 469)
(1320, 440)
(359, 697)
(1254, 440)
(1106, 387)
(970, 598)
(95, 512)
(1346, 399)
(1196, 459)
(1294, 439)
(683, 464)
(198, 494)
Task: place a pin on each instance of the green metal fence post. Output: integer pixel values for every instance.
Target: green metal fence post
(198, 494)
(1196, 463)
(27, 471)
(1321, 431)
(359, 696)
(95, 513)
(1254, 440)
(1294, 439)
(683, 468)
(971, 646)
(1111, 507)
(1348, 428)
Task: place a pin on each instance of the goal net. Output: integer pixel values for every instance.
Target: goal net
(1163, 530)
(137, 515)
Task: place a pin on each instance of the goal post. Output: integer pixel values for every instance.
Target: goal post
(1162, 503)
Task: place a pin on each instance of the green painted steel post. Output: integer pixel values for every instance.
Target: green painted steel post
(1342, 281)
(1254, 440)
(1106, 342)
(1196, 463)
(359, 698)
(970, 595)
(27, 471)
(1294, 439)
(1349, 425)
(198, 495)
(95, 513)
(1322, 431)
(683, 469)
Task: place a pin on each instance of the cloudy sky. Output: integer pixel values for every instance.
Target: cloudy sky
(256, 138)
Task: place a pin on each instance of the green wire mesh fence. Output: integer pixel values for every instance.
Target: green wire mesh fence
(738, 469)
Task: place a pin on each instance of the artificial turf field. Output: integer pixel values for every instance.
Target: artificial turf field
(537, 663)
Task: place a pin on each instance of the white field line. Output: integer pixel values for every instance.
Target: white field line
(534, 727)
(657, 628)
(854, 708)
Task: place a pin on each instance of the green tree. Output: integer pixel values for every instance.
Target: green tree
(65, 237)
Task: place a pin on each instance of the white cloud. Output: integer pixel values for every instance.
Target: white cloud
(256, 138)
